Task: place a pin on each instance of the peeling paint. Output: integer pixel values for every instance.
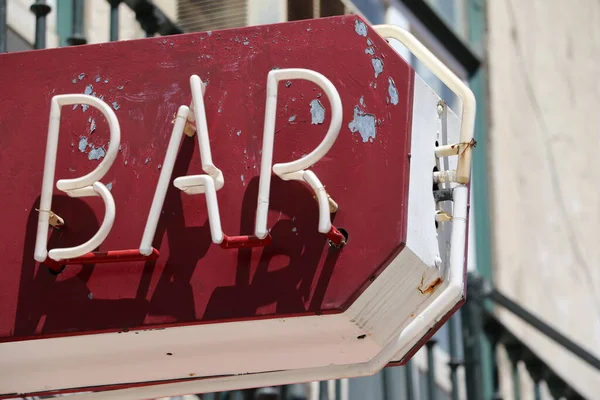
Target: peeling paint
(294, 229)
(292, 118)
(116, 105)
(83, 142)
(369, 42)
(91, 296)
(362, 101)
(98, 79)
(81, 76)
(88, 90)
(92, 125)
(317, 112)
(431, 287)
(293, 99)
(288, 84)
(377, 66)
(392, 91)
(370, 50)
(119, 87)
(242, 179)
(364, 124)
(106, 80)
(109, 185)
(147, 160)
(96, 153)
(238, 133)
(246, 43)
(74, 81)
(360, 28)
(159, 166)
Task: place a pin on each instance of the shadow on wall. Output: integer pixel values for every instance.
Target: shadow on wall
(57, 306)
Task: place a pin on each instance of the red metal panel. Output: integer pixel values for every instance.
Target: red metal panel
(194, 281)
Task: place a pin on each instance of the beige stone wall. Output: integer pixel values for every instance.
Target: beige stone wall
(544, 62)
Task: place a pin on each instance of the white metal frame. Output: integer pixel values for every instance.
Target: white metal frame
(454, 83)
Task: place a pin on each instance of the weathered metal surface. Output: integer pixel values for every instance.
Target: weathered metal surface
(194, 281)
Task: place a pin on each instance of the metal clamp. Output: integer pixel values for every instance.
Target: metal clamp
(464, 148)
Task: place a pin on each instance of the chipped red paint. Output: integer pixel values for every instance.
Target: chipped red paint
(194, 281)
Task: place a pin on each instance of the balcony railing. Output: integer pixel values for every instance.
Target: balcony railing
(151, 19)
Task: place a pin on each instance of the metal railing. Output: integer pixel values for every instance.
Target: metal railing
(480, 322)
(151, 19)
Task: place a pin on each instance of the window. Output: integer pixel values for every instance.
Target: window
(454, 13)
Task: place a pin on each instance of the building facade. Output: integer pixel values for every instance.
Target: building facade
(531, 65)
(543, 199)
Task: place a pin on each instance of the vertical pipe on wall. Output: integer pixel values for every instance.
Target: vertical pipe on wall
(114, 20)
(3, 28)
(454, 362)
(537, 391)
(431, 386)
(388, 387)
(324, 390)
(410, 389)
(472, 324)
(296, 391)
(338, 389)
(77, 36)
(496, 393)
(40, 9)
(516, 380)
